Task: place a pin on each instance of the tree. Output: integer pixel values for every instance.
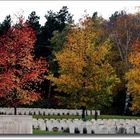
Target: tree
(132, 76)
(5, 25)
(55, 25)
(20, 73)
(123, 30)
(54, 22)
(33, 20)
(85, 76)
(57, 42)
(49, 40)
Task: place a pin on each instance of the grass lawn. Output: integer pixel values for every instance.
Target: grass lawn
(87, 117)
(43, 132)
(118, 117)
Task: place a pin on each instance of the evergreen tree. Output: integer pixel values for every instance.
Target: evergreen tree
(5, 25)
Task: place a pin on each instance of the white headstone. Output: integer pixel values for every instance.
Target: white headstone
(129, 130)
(137, 129)
(71, 128)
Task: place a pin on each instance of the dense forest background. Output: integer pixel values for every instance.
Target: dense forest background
(123, 31)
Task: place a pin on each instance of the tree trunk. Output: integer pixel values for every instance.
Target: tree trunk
(127, 99)
(96, 115)
(49, 92)
(123, 51)
(83, 112)
(86, 112)
(15, 111)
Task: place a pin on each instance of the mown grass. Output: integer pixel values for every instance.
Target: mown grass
(43, 132)
(87, 117)
(57, 117)
(118, 117)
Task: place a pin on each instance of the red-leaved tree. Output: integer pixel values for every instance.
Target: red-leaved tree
(20, 72)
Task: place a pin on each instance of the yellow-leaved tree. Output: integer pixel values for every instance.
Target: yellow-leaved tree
(85, 76)
(133, 77)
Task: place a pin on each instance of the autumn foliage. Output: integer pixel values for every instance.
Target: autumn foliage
(85, 74)
(86, 61)
(20, 72)
(133, 75)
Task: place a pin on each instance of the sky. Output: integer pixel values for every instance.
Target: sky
(76, 8)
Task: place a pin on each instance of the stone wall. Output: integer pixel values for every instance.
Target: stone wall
(15, 124)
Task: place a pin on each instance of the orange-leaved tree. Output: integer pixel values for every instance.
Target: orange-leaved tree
(85, 75)
(20, 72)
(133, 77)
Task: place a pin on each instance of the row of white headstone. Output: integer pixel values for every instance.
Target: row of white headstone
(42, 111)
(111, 126)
